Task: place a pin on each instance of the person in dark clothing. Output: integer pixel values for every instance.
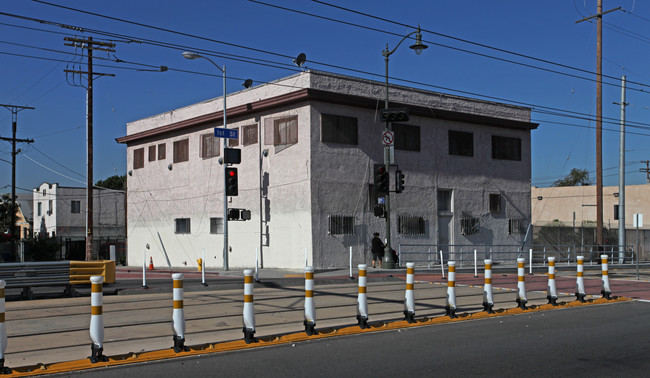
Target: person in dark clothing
(377, 249)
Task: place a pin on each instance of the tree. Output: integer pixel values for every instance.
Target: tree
(116, 182)
(575, 178)
(5, 213)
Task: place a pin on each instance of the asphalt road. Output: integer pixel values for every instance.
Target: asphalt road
(600, 340)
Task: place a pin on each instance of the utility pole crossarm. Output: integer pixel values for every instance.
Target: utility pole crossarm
(598, 15)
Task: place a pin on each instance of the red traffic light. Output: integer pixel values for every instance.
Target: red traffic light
(232, 173)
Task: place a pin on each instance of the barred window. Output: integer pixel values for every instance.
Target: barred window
(249, 135)
(469, 226)
(216, 225)
(461, 143)
(182, 225)
(341, 225)
(516, 226)
(495, 203)
(338, 129)
(411, 225)
(506, 148)
(209, 146)
(407, 137)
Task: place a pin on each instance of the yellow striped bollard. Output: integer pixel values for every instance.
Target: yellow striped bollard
(3, 330)
(310, 308)
(552, 289)
(249, 309)
(521, 284)
(409, 298)
(362, 300)
(488, 298)
(178, 314)
(580, 281)
(604, 289)
(450, 307)
(97, 319)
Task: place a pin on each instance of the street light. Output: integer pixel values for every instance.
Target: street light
(418, 47)
(193, 55)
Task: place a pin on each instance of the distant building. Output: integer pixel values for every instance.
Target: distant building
(24, 216)
(61, 211)
(308, 145)
(575, 207)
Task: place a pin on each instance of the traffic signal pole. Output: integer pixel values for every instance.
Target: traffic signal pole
(388, 262)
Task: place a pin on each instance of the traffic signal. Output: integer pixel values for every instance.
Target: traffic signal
(232, 186)
(399, 181)
(394, 115)
(381, 179)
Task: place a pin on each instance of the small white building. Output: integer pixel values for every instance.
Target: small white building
(61, 211)
(308, 145)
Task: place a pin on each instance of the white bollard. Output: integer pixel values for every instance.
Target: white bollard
(475, 265)
(605, 290)
(3, 330)
(203, 267)
(442, 264)
(409, 298)
(552, 289)
(521, 284)
(178, 314)
(144, 267)
(530, 258)
(310, 308)
(351, 276)
(362, 300)
(450, 307)
(249, 309)
(580, 281)
(488, 298)
(97, 319)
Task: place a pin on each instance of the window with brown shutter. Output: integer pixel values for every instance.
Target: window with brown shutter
(181, 150)
(249, 135)
(209, 146)
(138, 158)
(233, 142)
(162, 151)
(281, 131)
(152, 153)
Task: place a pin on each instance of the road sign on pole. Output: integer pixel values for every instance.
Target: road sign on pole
(226, 133)
(388, 138)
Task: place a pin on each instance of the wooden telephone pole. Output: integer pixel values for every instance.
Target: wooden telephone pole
(599, 117)
(89, 45)
(14, 122)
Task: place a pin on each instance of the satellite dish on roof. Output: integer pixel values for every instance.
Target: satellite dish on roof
(248, 83)
(300, 60)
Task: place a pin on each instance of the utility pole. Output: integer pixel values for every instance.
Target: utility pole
(14, 123)
(646, 170)
(599, 117)
(621, 178)
(89, 45)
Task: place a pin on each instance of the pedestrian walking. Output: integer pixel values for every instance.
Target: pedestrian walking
(377, 249)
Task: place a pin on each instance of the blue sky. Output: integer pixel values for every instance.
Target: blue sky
(257, 32)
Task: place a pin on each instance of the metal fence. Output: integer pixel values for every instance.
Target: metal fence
(431, 255)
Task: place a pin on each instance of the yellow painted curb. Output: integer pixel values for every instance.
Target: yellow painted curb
(61, 367)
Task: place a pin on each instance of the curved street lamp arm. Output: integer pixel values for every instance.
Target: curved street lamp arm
(387, 53)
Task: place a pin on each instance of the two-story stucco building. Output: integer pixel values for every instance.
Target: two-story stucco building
(308, 145)
(60, 211)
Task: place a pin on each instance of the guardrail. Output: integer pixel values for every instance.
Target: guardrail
(469, 255)
(27, 275)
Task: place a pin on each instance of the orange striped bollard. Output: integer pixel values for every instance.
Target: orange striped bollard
(249, 309)
(604, 289)
(310, 308)
(362, 300)
(409, 298)
(488, 298)
(552, 289)
(450, 307)
(178, 314)
(521, 284)
(3, 330)
(580, 281)
(97, 319)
